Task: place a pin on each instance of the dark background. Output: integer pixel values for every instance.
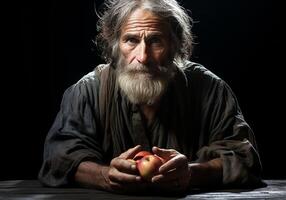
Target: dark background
(240, 41)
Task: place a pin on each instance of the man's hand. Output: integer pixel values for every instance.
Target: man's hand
(123, 174)
(174, 174)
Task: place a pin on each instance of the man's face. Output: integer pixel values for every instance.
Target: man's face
(144, 64)
(144, 39)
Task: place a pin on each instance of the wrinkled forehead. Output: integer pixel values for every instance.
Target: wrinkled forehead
(144, 20)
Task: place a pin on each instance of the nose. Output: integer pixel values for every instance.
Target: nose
(142, 55)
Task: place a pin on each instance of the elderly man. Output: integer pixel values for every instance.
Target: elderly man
(149, 97)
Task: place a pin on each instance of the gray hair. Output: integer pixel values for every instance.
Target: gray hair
(116, 12)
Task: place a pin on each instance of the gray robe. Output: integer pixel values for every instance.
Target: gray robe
(199, 116)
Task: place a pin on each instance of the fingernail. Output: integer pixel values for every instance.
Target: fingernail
(133, 166)
(156, 178)
(138, 178)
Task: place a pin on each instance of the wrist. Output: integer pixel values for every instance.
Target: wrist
(206, 173)
(92, 175)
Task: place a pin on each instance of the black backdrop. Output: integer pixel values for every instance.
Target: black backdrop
(240, 41)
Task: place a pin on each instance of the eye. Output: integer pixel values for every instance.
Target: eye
(155, 41)
(132, 40)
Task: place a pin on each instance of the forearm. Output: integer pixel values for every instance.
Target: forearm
(92, 175)
(206, 174)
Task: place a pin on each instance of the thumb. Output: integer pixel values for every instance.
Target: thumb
(166, 154)
(130, 153)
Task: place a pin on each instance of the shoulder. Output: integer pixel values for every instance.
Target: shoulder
(194, 71)
(91, 79)
(203, 81)
(93, 76)
(87, 86)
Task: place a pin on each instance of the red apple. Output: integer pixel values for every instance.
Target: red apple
(148, 166)
(141, 154)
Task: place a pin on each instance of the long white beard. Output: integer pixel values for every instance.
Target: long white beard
(142, 84)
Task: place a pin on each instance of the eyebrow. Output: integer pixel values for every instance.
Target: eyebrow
(135, 35)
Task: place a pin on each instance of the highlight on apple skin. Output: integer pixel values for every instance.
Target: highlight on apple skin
(147, 164)
(141, 154)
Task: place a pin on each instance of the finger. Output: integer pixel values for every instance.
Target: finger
(130, 153)
(176, 162)
(166, 154)
(175, 174)
(124, 165)
(121, 177)
(171, 175)
(115, 186)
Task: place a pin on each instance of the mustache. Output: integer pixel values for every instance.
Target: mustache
(141, 68)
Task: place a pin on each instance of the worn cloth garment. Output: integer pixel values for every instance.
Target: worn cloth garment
(199, 116)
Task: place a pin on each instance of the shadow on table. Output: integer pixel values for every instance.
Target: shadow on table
(32, 189)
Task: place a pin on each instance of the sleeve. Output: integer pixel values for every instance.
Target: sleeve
(230, 138)
(73, 137)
